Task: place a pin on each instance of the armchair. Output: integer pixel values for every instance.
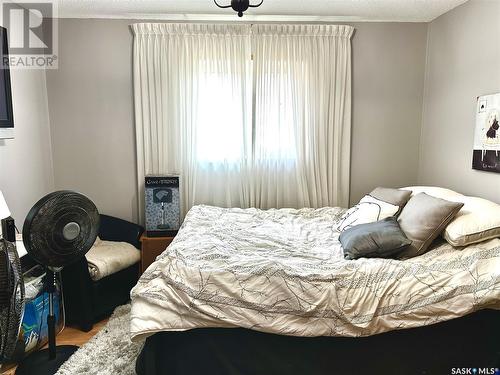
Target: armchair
(86, 301)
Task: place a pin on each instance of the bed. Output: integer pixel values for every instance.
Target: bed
(254, 286)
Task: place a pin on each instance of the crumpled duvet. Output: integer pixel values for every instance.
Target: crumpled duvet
(283, 271)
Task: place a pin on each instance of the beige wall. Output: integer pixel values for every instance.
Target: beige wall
(91, 109)
(91, 114)
(26, 162)
(388, 80)
(463, 62)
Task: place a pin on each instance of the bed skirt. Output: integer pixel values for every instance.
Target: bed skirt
(471, 342)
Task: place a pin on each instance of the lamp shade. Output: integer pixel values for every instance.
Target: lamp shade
(4, 210)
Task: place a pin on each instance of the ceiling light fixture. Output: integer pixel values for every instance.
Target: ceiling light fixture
(239, 6)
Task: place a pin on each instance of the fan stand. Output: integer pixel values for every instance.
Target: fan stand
(47, 361)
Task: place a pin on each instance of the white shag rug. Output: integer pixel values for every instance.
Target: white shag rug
(110, 352)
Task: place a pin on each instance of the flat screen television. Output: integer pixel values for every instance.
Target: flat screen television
(6, 115)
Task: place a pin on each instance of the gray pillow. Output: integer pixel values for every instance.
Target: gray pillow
(380, 239)
(393, 196)
(423, 219)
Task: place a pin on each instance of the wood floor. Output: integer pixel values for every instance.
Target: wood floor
(69, 336)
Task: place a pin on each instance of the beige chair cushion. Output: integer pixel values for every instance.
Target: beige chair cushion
(423, 219)
(108, 257)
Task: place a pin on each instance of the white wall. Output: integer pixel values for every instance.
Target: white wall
(26, 172)
(463, 62)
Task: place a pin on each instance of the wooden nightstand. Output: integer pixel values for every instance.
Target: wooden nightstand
(151, 248)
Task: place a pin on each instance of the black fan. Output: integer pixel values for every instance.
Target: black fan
(11, 299)
(59, 229)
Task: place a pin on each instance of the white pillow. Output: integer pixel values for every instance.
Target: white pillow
(368, 210)
(477, 221)
(435, 191)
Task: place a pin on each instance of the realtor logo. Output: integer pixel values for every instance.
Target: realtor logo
(32, 34)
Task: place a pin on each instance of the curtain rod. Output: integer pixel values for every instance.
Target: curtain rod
(230, 18)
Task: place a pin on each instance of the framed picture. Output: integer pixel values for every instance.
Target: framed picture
(486, 155)
(163, 210)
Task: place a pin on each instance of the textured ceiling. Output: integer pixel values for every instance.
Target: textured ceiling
(357, 10)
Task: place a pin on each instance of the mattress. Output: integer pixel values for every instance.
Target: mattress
(282, 271)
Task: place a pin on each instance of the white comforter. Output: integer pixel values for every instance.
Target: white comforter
(283, 271)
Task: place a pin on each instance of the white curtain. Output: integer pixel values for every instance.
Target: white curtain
(248, 116)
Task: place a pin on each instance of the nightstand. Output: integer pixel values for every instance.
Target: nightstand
(151, 248)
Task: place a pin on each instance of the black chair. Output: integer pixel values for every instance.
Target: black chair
(87, 301)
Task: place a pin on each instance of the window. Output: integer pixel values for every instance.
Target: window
(220, 136)
(232, 127)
